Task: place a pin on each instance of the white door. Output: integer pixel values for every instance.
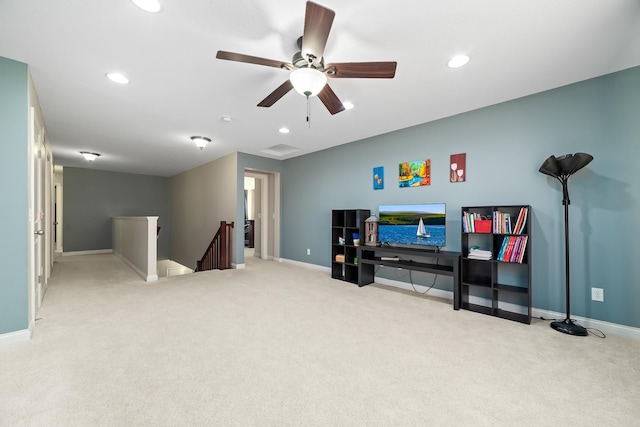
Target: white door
(38, 213)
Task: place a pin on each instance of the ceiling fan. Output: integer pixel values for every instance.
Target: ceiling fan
(308, 71)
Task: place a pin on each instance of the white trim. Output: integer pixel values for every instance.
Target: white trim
(606, 327)
(17, 337)
(439, 293)
(146, 277)
(95, 252)
(238, 266)
(305, 264)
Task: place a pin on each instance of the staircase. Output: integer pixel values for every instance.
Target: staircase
(218, 254)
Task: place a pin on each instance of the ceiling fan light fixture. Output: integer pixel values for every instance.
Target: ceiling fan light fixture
(308, 81)
(89, 156)
(200, 141)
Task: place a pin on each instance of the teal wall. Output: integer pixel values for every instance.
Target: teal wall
(14, 212)
(505, 146)
(92, 197)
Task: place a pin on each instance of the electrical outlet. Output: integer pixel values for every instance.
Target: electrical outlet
(308, 251)
(597, 294)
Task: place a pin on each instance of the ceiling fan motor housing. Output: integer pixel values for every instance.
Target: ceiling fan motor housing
(299, 61)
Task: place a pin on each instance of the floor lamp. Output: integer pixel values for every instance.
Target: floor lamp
(561, 168)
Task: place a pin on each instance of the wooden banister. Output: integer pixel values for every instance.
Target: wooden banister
(218, 254)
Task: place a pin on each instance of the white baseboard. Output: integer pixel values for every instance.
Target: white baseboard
(17, 337)
(98, 251)
(606, 327)
(601, 325)
(304, 264)
(145, 276)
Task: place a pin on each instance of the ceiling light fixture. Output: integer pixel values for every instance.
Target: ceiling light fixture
(152, 6)
(200, 141)
(118, 78)
(308, 81)
(226, 119)
(89, 156)
(347, 105)
(283, 130)
(458, 61)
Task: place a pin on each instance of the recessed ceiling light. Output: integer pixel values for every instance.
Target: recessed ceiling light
(152, 6)
(226, 119)
(118, 78)
(458, 61)
(283, 130)
(347, 105)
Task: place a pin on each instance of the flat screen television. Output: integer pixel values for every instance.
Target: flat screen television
(407, 225)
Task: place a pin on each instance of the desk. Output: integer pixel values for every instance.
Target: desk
(370, 256)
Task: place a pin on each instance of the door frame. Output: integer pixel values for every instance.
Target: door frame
(269, 215)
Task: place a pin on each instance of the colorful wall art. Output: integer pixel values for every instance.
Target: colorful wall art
(414, 174)
(378, 178)
(458, 171)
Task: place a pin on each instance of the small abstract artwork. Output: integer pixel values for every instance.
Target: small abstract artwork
(414, 174)
(458, 170)
(378, 178)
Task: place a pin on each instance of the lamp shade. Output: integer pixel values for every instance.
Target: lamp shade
(308, 81)
(565, 165)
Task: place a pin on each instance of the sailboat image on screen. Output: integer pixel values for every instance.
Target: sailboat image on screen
(422, 232)
(413, 225)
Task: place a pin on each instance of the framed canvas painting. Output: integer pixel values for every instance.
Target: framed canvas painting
(458, 168)
(378, 178)
(414, 174)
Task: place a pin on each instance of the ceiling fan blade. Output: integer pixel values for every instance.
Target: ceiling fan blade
(317, 24)
(276, 94)
(238, 57)
(330, 100)
(371, 70)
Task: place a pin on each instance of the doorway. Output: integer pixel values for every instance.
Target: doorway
(262, 191)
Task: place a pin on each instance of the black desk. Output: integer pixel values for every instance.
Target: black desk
(369, 258)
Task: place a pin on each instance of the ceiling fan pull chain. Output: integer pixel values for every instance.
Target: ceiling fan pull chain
(308, 112)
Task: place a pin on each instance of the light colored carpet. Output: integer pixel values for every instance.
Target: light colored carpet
(281, 345)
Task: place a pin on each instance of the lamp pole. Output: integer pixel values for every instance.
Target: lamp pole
(562, 168)
(567, 326)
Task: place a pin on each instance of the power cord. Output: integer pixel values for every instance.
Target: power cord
(435, 277)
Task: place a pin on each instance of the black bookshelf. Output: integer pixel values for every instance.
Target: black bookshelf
(344, 223)
(505, 279)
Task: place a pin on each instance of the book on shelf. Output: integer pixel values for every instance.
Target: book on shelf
(512, 249)
(521, 221)
(524, 247)
(468, 221)
(503, 247)
(511, 240)
(502, 223)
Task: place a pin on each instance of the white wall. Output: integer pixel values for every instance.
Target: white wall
(135, 242)
(200, 199)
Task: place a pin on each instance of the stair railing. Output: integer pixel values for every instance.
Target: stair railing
(218, 254)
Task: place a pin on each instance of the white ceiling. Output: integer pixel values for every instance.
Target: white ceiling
(179, 89)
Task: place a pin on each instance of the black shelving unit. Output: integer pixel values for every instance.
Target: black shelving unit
(344, 223)
(502, 282)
